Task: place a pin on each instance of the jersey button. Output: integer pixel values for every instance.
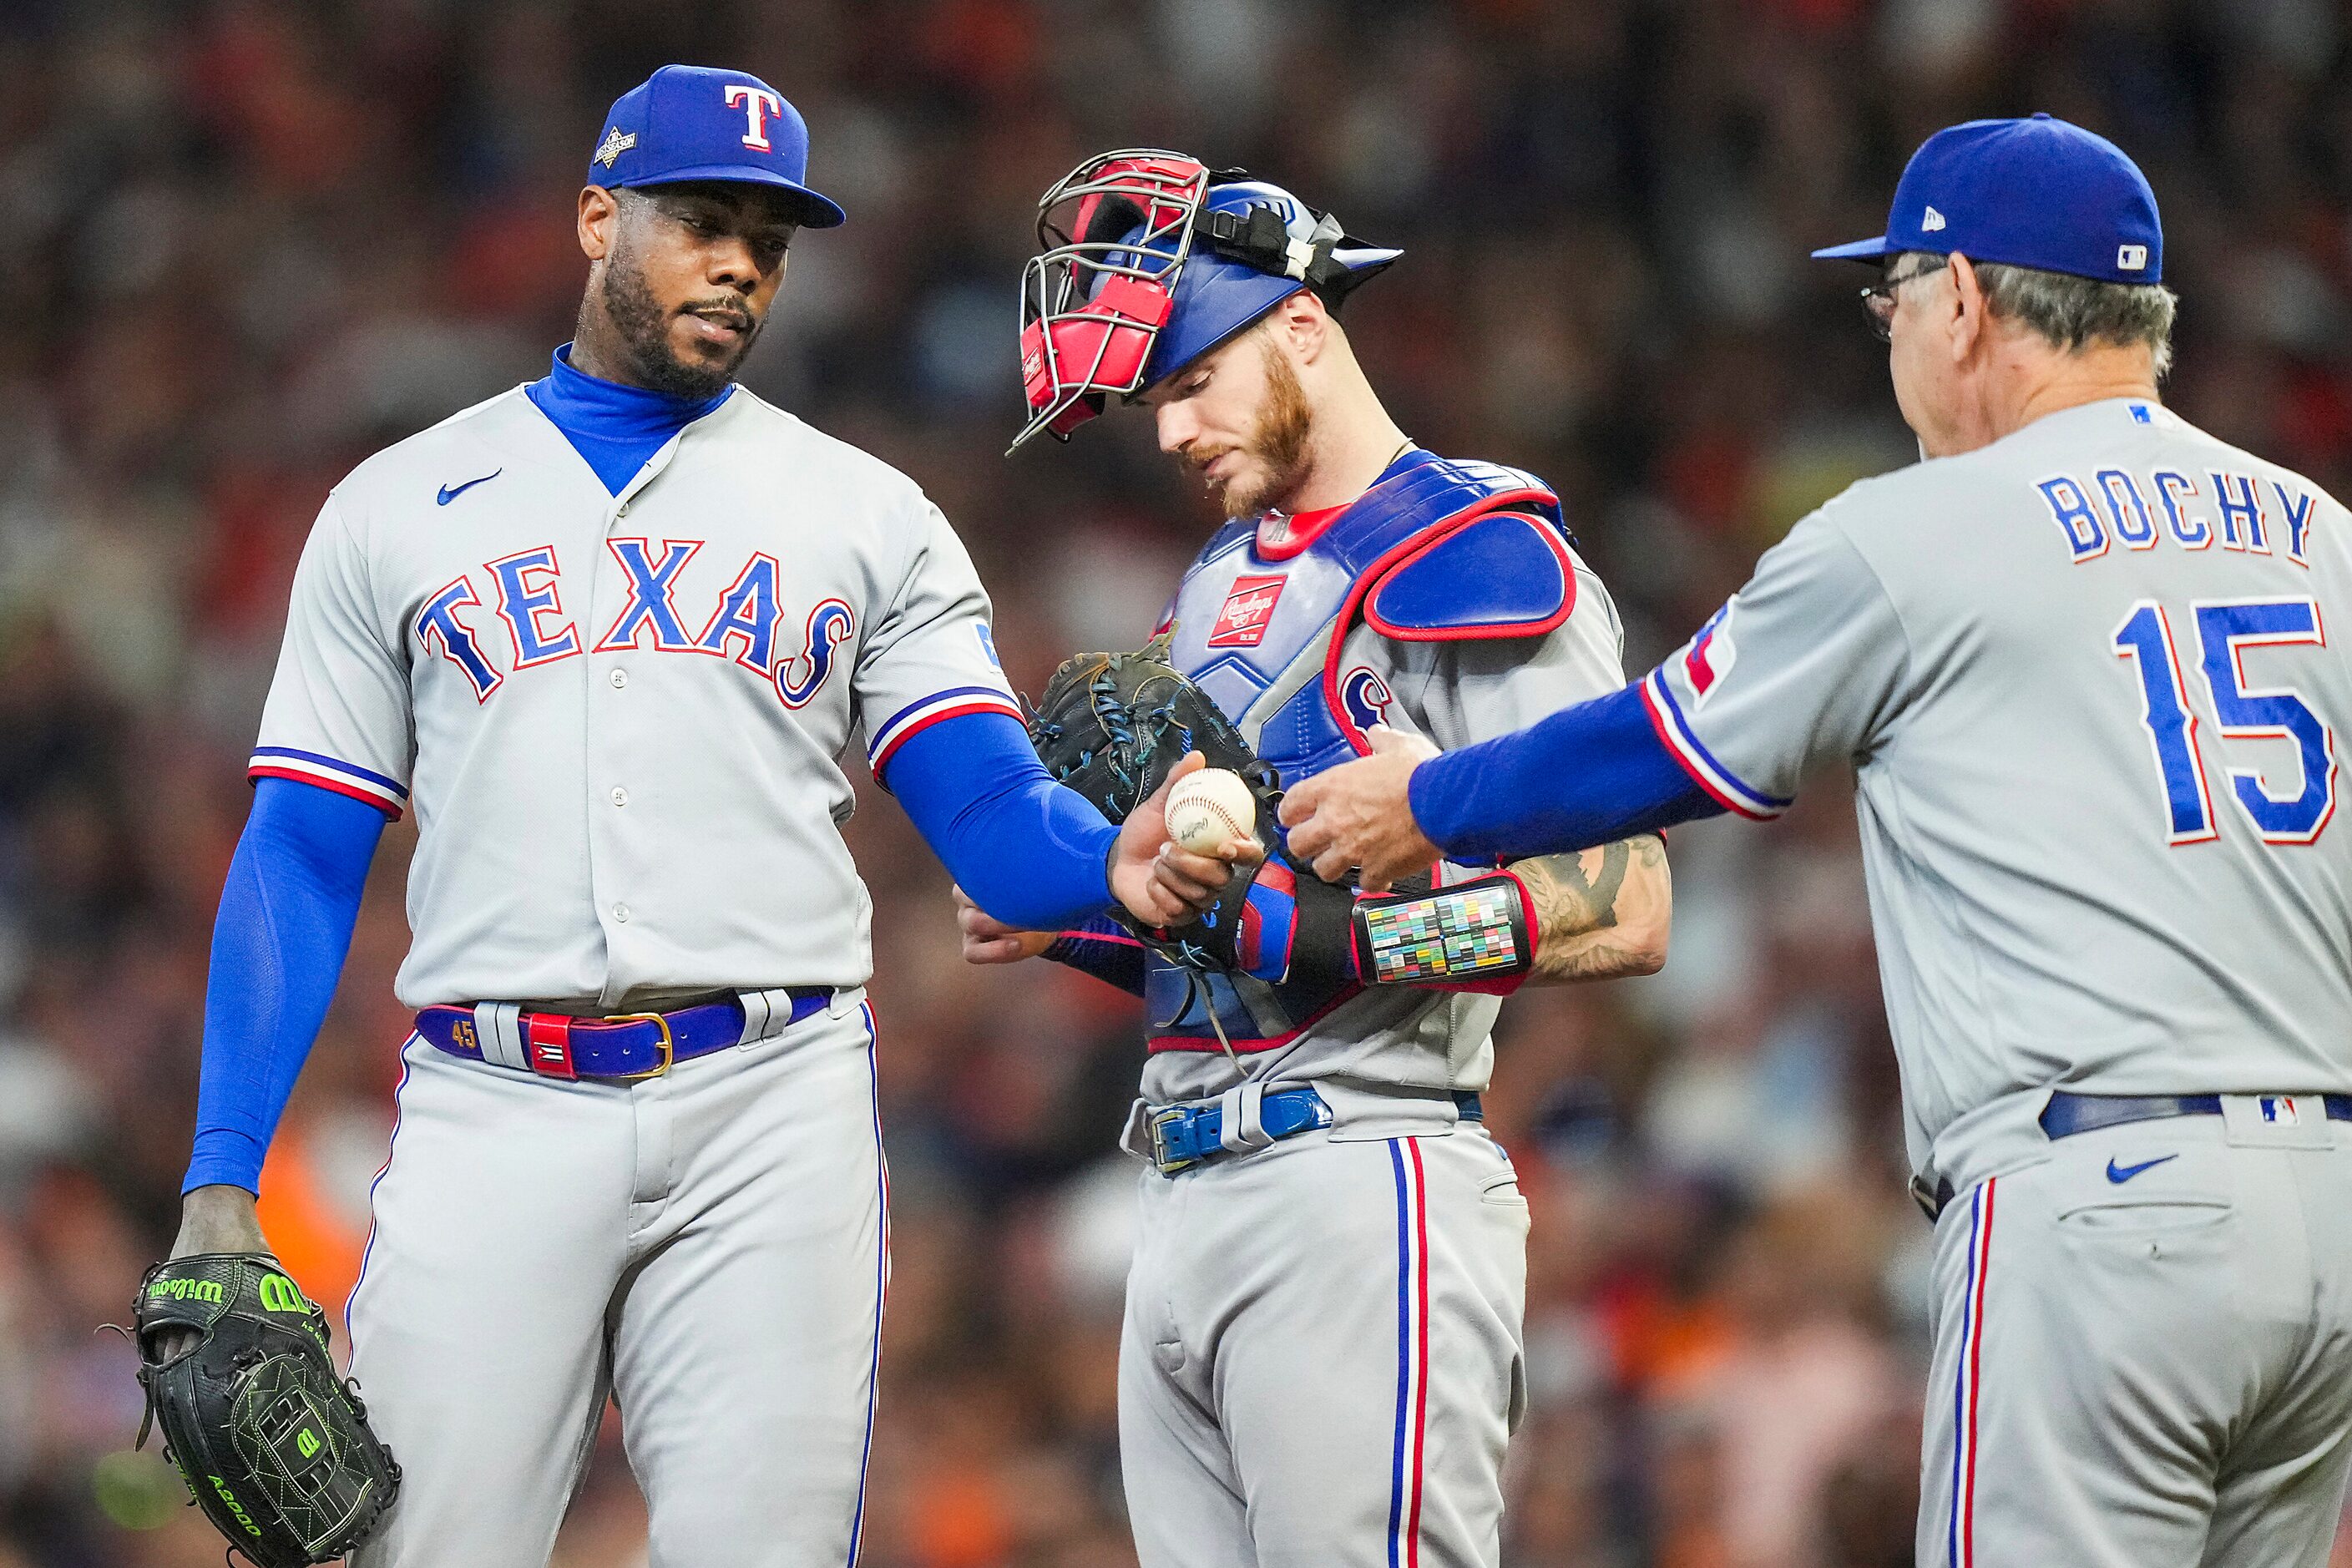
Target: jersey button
(620, 913)
(620, 679)
(620, 795)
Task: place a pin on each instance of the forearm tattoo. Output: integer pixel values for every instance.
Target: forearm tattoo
(1568, 901)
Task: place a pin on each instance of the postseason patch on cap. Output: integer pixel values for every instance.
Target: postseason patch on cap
(687, 123)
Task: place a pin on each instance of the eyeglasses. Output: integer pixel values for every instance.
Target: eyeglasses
(1878, 299)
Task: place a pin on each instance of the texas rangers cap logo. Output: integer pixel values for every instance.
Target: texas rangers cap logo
(1248, 610)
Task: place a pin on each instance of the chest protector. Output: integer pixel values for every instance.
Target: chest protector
(1435, 551)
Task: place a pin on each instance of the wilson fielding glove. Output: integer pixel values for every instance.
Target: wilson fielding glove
(274, 1446)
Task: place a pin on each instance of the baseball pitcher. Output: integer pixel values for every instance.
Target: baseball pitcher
(2079, 660)
(1321, 1360)
(608, 635)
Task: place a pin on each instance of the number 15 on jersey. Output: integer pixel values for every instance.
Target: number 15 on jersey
(2224, 630)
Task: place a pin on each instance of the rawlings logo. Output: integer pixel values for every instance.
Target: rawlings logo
(1248, 611)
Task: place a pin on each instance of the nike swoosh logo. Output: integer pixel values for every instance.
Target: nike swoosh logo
(449, 493)
(2119, 1174)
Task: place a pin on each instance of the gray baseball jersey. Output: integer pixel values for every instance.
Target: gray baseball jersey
(1322, 1353)
(618, 717)
(2082, 677)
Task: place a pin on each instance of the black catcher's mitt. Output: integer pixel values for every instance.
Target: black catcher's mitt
(1113, 726)
(273, 1446)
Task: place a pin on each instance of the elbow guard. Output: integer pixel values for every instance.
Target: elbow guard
(1476, 935)
(1470, 936)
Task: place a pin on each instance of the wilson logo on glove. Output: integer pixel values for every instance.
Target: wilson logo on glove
(251, 1403)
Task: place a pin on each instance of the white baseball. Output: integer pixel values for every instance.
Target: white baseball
(1209, 809)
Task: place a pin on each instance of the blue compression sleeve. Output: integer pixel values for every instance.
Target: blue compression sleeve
(1028, 851)
(278, 944)
(1589, 775)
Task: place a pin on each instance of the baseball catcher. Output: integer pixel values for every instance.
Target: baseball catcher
(1321, 1354)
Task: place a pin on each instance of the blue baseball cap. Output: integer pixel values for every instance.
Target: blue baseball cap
(2036, 193)
(693, 122)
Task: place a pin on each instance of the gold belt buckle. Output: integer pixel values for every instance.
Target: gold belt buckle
(668, 1046)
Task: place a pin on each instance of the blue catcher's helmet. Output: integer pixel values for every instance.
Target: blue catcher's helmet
(1150, 261)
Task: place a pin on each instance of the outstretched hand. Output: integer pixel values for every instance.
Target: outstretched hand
(987, 939)
(1159, 883)
(1359, 814)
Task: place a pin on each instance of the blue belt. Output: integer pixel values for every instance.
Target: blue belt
(1183, 1136)
(626, 1048)
(2068, 1113)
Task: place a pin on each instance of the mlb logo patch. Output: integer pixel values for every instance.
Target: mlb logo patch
(2280, 1110)
(2131, 258)
(1248, 610)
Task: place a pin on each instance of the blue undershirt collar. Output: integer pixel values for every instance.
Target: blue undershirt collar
(614, 428)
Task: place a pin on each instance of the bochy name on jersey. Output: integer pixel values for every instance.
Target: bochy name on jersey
(1435, 551)
(2097, 510)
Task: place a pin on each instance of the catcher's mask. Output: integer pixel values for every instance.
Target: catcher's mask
(1150, 260)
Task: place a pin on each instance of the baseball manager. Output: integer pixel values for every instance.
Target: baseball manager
(2079, 659)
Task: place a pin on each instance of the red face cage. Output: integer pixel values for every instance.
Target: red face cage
(1095, 298)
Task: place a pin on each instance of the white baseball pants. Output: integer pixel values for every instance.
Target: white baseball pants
(2144, 1350)
(709, 1247)
(1322, 1355)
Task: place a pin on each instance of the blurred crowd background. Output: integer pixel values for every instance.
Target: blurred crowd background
(243, 244)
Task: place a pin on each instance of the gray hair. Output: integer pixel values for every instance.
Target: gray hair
(2069, 311)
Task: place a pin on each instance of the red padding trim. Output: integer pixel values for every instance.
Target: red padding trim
(1502, 501)
(1550, 536)
(1208, 1042)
